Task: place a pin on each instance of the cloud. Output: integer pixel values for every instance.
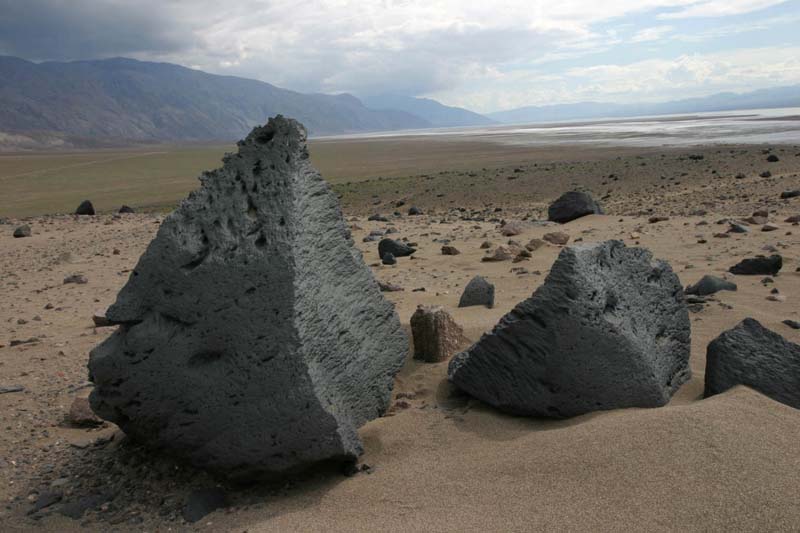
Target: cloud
(721, 8)
(478, 52)
(654, 33)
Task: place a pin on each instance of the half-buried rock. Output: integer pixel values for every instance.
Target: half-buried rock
(608, 329)
(752, 355)
(253, 339)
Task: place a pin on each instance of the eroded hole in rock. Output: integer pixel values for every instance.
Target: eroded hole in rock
(265, 137)
(252, 210)
(196, 262)
(261, 241)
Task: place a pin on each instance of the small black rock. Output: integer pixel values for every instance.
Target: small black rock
(22, 231)
(125, 209)
(396, 248)
(758, 265)
(86, 208)
(388, 259)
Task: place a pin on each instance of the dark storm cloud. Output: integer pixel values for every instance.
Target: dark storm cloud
(85, 29)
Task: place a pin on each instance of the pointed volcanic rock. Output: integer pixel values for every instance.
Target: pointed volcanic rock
(254, 340)
(572, 205)
(751, 355)
(479, 291)
(608, 329)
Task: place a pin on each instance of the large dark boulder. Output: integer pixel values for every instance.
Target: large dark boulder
(608, 329)
(758, 266)
(710, 285)
(396, 248)
(86, 208)
(253, 339)
(751, 355)
(572, 205)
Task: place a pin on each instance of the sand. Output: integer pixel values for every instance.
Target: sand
(439, 461)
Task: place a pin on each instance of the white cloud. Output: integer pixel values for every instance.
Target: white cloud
(654, 33)
(487, 54)
(721, 8)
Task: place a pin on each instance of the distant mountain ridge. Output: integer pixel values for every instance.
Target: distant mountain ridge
(439, 115)
(763, 98)
(128, 100)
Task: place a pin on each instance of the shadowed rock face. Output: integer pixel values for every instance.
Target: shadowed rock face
(608, 329)
(572, 205)
(752, 355)
(253, 339)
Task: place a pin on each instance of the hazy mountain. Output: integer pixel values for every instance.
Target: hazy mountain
(91, 102)
(439, 115)
(764, 98)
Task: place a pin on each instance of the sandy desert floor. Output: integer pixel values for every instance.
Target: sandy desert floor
(438, 460)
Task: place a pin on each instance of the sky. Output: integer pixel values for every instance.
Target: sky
(486, 56)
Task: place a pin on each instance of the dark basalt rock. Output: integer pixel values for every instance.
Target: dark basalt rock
(126, 209)
(86, 208)
(758, 266)
(253, 339)
(22, 231)
(388, 259)
(396, 248)
(608, 329)
(710, 285)
(572, 205)
(751, 355)
(477, 292)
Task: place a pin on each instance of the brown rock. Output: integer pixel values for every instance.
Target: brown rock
(770, 227)
(557, 237)
(436, 335)
(522, 255)
(81, 415)
(80, 279)
(450, 250)
(534, 245)
(485, 245)
(511, 228)
(501, 253)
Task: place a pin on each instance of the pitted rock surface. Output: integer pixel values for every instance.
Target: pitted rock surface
(752, 355)
(253, 339)
(608, 329)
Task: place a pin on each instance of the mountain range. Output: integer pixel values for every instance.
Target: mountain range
(763, 98)
(118, 101)
(121, 101)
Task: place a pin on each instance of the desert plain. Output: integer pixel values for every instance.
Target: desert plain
(438, 460)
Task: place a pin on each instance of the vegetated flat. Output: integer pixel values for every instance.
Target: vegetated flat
(441, 170)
